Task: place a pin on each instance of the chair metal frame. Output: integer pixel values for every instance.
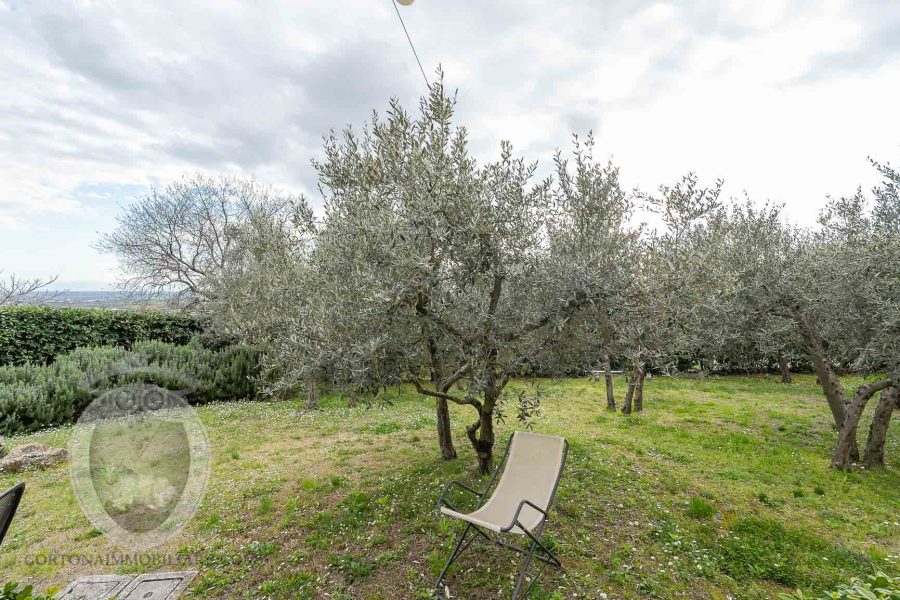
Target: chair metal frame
(535, 550)
(16, 492)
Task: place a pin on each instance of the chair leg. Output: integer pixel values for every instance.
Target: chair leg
(535, 550)
(459, 549)
(548, 557)
(525, 564)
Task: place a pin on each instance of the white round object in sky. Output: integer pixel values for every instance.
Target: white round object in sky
(406, 2)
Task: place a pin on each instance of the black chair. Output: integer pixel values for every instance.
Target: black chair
(9, 502)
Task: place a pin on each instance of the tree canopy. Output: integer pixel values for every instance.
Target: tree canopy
(430, 268)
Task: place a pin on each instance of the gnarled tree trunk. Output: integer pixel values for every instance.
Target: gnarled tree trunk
(828, 379)
(629, 394)
(607, 375)
(445, 437)
(785, 367)
(831, 386)
(639, 388)
(441, 394)
(842, 455)
(435, 368)
(312, 394)
(825, 375)
(890, 401)
(481, 434)
(634, 396)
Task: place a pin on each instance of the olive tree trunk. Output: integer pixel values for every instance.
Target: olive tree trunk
(481, 434)
(825, 375)
(842, 455)
(831, 387)
(444, 434)
(634, 395)
(445, 437)
(785, 367)
(312, 394)
(890, 401)
(828, 379)
(441, 385)
(627, 402)
(639, 389)
(607, 375)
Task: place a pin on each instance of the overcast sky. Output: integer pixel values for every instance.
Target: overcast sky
(102, 99)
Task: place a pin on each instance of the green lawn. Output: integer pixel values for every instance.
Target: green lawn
(721, 488)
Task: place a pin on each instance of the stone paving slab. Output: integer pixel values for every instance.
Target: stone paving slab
(157, 586)
(95, 587)
(152, 586)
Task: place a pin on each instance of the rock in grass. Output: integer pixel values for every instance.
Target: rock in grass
(28, 457)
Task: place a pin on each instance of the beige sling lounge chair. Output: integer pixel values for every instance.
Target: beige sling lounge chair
(532, 466)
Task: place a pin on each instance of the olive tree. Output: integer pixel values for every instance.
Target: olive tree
(266, 293)
(769, 292)
(383, 250)
(598, 222)
(458, 274)
(835, 288)
(852, 314)
(665, 304)
(758, 256)
(262, 275)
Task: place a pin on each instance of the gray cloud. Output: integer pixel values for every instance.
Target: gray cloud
(102, 99)
(126, 92)
(879, 43)
(344, 85)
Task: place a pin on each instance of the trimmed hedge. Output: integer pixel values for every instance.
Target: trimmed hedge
(37, 334)
(34, 397)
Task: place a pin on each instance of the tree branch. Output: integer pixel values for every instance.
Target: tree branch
(495, 294)
(448, 327)
(864, 392)
(447, 383)
(566, 308)
(445, 396)
(13, 288)
(471, 430)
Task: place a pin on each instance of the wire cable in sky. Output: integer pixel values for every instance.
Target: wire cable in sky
(416, 54)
